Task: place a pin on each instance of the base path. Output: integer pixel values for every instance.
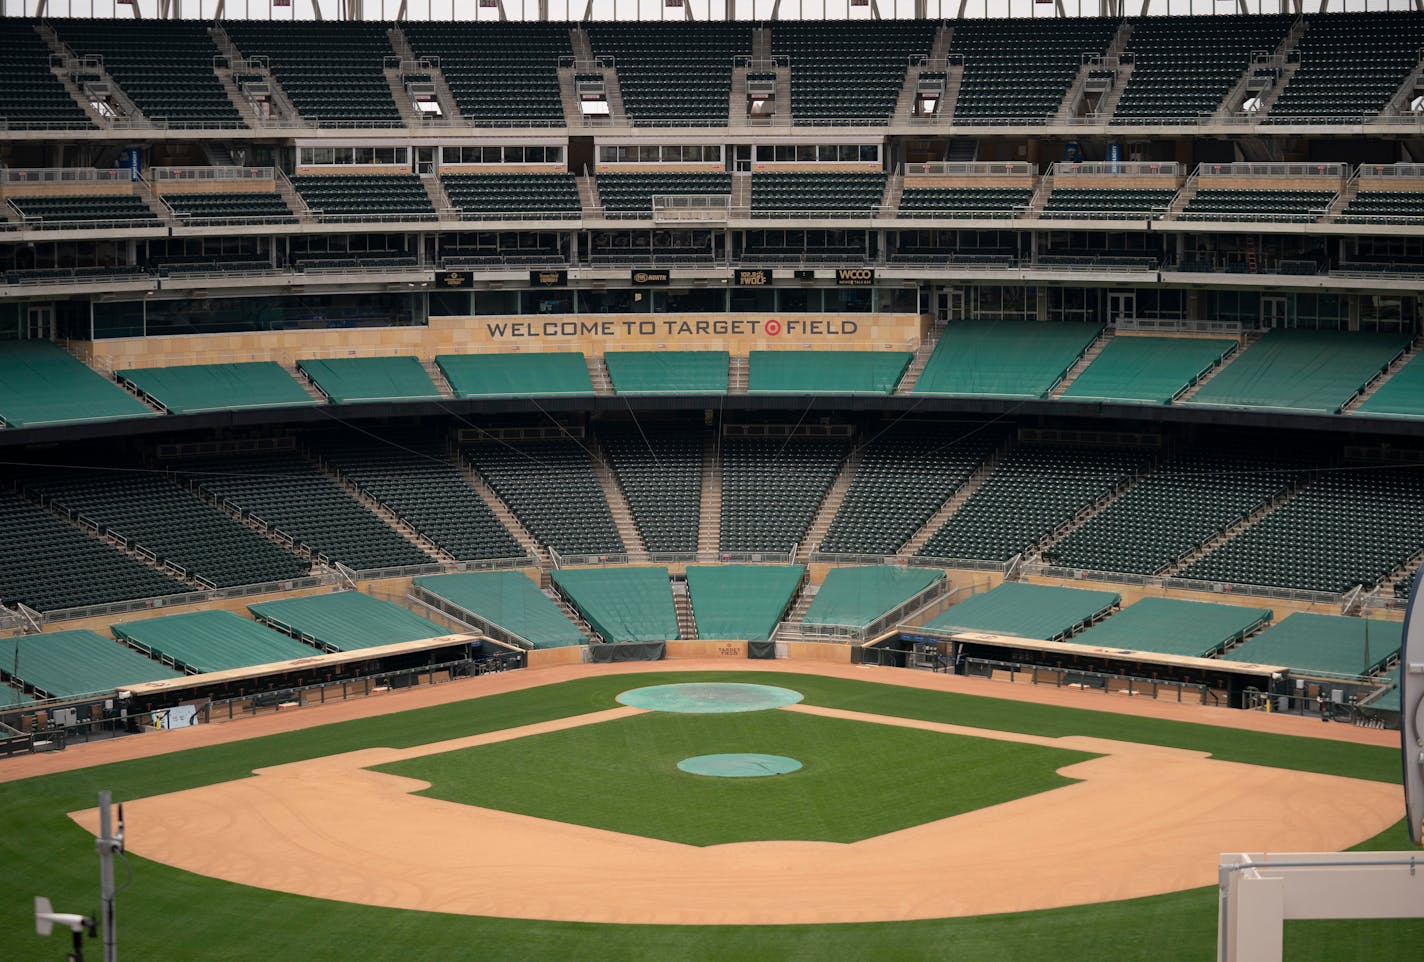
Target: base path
(1143, 820)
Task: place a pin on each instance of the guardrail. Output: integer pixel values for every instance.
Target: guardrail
(211, 173)
(1185, 584)
(1116, 168)
(970, 168)
(428, 599)
(1390, 170)
(64, 175)
(1247, 169)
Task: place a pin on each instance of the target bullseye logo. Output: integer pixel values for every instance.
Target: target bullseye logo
(772, 327)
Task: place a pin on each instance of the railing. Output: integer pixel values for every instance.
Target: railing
(1332, 599)
(1246, 169)
(1391, 170)
(211, 173)
(970, 168)
(805, 631)
(1117, 168)
(691, 207)
(1180, 326)
(434, 602)
(64, 175)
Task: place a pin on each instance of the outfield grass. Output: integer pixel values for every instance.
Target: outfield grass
(172, 915)
(859, 779)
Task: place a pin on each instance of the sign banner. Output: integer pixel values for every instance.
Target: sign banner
(753, 278)
(658, 278)
(548, 278)
(855, 276)
(454, 279)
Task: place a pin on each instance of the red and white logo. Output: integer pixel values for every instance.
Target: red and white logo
(772, 327)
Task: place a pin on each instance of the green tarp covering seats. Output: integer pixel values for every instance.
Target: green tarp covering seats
(40, 384)
(10, 698)
(1045, 612)
(825, 372)
(517, 375)
(219, 387)
(741, 601)
(69, 663)
(668, 372)
(854, 597)
(1173, 626)
(622, 604)
(1147, 370)
(346, 620)
(1402, 396)
(1334, 644)
(1022, 359)
(349, 379)
(205, 641)
(509, 600)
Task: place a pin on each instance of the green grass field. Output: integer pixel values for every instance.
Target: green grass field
(171, 915)
(859, 780)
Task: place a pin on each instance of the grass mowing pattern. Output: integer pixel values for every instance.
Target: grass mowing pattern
(169, 914)
(859, 779)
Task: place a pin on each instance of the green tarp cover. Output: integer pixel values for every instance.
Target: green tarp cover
(622, 604)
(219, 387)
(1389, 701)
(1146, 370)
(825, 372)
(1003, 358)
(668, 372)
(856, 596)
(516, 375)
(1402, 396)
(10, 698)
(349, 379)
(347, 620)
(68, 663)
(212, 641)
(40, 384)
(1293, 370)
(741, 601)
(1334, 644)
(511, 601)
(1029, 611)
(1171, 626)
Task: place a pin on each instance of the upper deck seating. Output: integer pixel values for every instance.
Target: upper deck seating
(501, 74)
(332, 72)
(672, 72)
(848, 71)
(551, 487)
(1020, 70)
(30, 95)
(1350, 66)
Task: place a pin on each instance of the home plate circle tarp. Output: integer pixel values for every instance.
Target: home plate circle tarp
(709, 698)
(741, 765)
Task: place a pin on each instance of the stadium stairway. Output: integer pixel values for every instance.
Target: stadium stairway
(437, 376)
(890, 200)
(618, 506)
(1246, 341)
(682, 604)
(709, 518)
(546, 585)
(1079, 366)
(281, 106)
(738, 370)
(921, 358)
(117, 97)
(965, 492)
(380, 510)
(449, 107)
(826, 513)
(598, 374)
(804, 597)
(305, 380)
(294, 199)
(505, 516)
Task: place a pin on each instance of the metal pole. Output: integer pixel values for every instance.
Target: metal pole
(107, 844)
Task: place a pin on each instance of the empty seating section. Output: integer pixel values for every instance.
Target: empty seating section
(50, 565)
(192, 388)
(230, 207)
(414, 478)
(289, 493)
(1147, 370)
(1003, 358)
(508, 600)
(40, 384)
(551, 487)
(1333, 644)
(668, 372)
(348, 380)
(905, 475)
(1020, 70)
(853, 597)
(365, 196)
(634, 193)
(964, 201)
(1032, 492)
(516, 375)
(673, 72)
(535, 196)
(501, 74)
(736, 602)
(176, 525)
(1402, 395)
(1228, 203)
(1345, 528)
(622, 604)
(1384, 207)
(771, 488)
(331, 72)
(1296, 370)
(165, 67)
(1043, 612)
(206, 641)
(852, 194)
(1112, 203)
(825, 372)
(73, 211)
(844, 72)
(1351, 64)
(65, 664)
(1190, 499)
(30, 95)
(1183, 67)
(346, 621)
(660, 473)
(1172, 626)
